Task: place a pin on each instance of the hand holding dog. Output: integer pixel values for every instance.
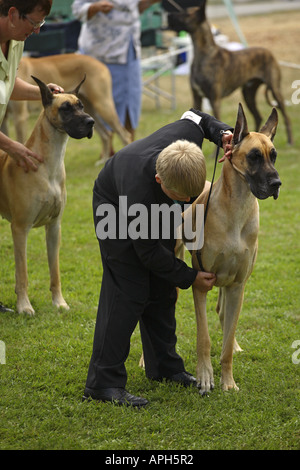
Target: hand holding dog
(204, 281)
(227, 146)
(24, 157)
(55, 88)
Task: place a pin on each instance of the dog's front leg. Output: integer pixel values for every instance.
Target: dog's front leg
(197, 95)
(205, 376)
(53, 241)
(232, 303)
(220, 311)
(19, 235)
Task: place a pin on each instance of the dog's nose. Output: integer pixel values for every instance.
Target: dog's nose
(90, 121)
(90, 125)
(275, 185)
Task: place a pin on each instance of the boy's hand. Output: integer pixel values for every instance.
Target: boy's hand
(227, 146)
(204, 281)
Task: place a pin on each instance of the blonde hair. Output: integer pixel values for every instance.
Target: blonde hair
(181, 168)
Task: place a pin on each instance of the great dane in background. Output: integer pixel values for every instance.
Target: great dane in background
(38, 198)
(217, 72)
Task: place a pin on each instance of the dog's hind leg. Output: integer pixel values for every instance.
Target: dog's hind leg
(205, 377)
(274, 85)
(106, 138)
(21, 118)
(280, 104)
(53, 242)
(19, 235)
(249, 93)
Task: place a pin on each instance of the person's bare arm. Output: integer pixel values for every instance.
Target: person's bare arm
(27, 92)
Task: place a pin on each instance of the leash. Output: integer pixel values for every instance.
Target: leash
(198, 253)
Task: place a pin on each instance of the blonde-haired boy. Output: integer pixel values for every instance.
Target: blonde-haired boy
(181, 169)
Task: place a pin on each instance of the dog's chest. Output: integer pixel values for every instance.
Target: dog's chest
(49, 204)
(233, 256)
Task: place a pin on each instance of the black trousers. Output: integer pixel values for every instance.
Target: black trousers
(131, 294)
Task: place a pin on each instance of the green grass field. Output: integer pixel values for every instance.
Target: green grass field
(47, 355)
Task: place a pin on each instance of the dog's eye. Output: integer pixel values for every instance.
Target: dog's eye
(254, 156)
(79, 105)
(273, 155)
(66, 107)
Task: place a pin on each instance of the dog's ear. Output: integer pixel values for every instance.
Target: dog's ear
(198, 14)
(76, 91)
(269, 129)
(201, 11)
(241, 127)
(46, 94)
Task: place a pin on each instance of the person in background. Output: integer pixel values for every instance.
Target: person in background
(18, 20)
(111, 33)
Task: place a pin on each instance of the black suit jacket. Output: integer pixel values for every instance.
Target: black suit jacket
(131, 173)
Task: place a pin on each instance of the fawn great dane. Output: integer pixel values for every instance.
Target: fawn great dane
(230, 238)
(38, 198)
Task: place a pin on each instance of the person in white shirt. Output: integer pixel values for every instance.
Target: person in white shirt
(111, 33)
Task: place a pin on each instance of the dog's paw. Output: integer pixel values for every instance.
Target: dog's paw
(236, 347)
(230, 386)
(25, 307)
(142, 362)
(59, 302)
(64, 305)
(228, 383)
(205, 378)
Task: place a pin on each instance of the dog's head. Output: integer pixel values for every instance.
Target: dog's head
(65, 111)
(254, 155)
(187, 20)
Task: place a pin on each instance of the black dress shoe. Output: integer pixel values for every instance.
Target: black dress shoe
(183, 378)
(119, 396)
(5, 309)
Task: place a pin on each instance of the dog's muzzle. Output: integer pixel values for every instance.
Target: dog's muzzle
(80, 127)
(264, 189)
(264, 185)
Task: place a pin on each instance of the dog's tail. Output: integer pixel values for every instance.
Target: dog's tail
(273, 103)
